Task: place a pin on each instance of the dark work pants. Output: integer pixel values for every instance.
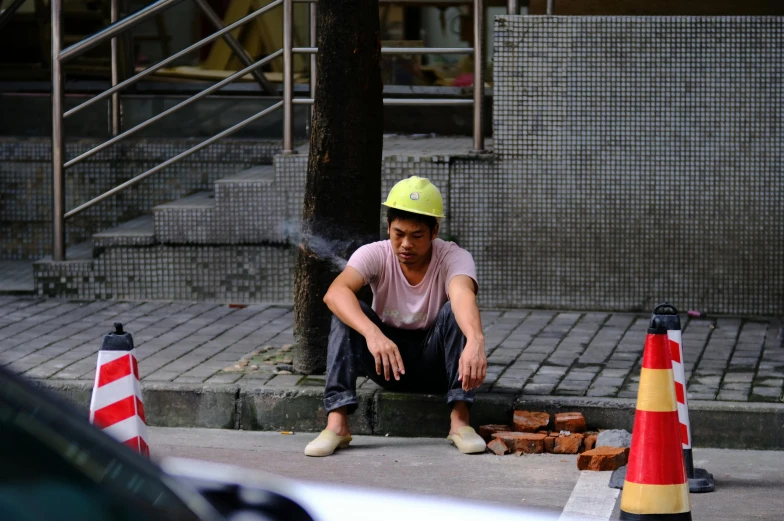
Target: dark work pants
(431, 360)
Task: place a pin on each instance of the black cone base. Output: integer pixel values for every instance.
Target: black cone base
(701, 482)
(683, 516)
(618, 477)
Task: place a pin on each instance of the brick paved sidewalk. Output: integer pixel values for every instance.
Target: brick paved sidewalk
(553, 353)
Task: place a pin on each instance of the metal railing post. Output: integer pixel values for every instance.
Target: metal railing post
(512, 6)
(58, 184)
(479, 74)
(114, 116)
(288, 76)
(550, 7)
(313, 71)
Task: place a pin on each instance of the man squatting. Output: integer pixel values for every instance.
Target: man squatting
(423, 332)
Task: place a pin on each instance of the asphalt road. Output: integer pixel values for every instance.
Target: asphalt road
(749, 483)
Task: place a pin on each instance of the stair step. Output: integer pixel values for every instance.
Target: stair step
(138, 232)
(78, 262)
(186, 221)
(199, 200)
(260, 174)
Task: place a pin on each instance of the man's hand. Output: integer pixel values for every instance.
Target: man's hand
(386, 354)
(473, 364)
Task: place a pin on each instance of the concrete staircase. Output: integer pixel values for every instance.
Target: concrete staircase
(234, 243)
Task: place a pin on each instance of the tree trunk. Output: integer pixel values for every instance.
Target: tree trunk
(342, 196)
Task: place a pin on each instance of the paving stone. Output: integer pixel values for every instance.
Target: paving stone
(550, 370)
(186, 379)
(518, 374)
(224, 378)
(545, 379)
(772, 393)
(160, 377)
(602, 381)
(579, 376)
(602, 391)
(772, 382)
(703, 388)
(531, 357)
(733, 396)
(707, 380)
(738, 386)
(538, 388)
(572, 388)
(609, 373)
(284, 380)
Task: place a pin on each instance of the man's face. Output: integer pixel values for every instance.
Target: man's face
(411, 241)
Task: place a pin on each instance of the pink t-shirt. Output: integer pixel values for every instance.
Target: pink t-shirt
(398, 303)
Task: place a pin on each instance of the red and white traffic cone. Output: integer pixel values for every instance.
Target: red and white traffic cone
(116, 405)
(700, 480)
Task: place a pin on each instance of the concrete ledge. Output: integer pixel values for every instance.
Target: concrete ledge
(75, 392)
(736, 425)
(165, 404)
(297, 409)
(179, 405)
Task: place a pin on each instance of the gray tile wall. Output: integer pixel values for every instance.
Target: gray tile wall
(640, 159)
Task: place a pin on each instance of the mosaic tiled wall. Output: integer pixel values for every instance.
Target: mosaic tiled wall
(639, 159)
(26, 184)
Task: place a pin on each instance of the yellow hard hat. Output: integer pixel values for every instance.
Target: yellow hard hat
(416, 195)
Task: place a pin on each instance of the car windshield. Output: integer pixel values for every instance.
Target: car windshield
(54, 466)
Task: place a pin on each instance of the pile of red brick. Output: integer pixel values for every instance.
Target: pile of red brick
(534, 433)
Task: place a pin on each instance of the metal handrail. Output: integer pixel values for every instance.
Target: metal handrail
(149, 70)
(171, 161)
(196, 97)
(400, 50)
(5, 14)
(111, 32)
(441, 102)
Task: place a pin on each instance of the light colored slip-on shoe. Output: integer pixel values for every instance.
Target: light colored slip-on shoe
(467, 441)
(326, 443)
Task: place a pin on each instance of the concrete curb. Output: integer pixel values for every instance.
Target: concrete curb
(736, 425)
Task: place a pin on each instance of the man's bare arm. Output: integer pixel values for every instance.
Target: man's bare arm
(473, 361)
(341, 299)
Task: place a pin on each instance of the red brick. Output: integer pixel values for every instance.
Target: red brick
(603, 458)
(568, 444)
(525, 442)
(498, 447)
(525, 421)
(590, 440)
(487, 431)
(570, 421)
(549, 444)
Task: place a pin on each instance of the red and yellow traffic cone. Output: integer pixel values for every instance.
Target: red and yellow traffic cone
(655, 486)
